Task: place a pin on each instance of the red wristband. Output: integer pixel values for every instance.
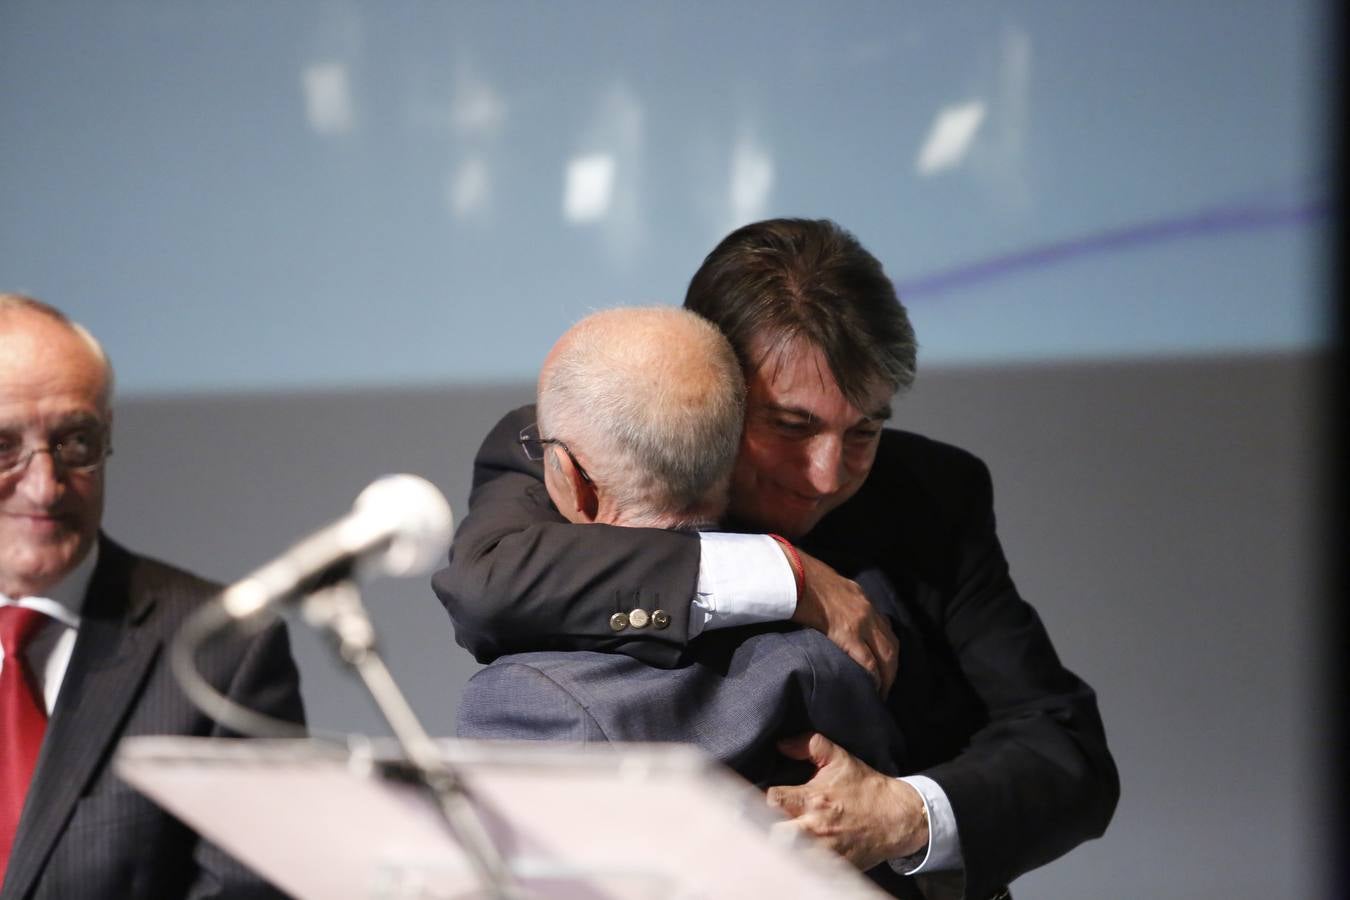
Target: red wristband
(794, 563)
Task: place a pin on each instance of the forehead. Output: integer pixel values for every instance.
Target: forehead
(796, 375)
(46, 369)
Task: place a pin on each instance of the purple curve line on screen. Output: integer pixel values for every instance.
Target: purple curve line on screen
(1210, 223)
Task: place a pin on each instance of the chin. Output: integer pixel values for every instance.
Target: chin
(43, 568)
(797, 529)
(33, 579)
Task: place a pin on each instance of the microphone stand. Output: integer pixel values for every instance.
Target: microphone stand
(338, 608)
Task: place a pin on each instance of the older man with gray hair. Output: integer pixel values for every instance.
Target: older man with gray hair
(639, 422)
(652, 400)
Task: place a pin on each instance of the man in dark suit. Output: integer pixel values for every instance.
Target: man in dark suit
(84, 625)
(661, 456)
(1007, 754)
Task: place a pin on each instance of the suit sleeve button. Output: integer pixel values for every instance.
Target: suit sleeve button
(660, 619)
(638, 618)
(618, 622)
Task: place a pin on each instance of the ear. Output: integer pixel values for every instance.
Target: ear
(580, 499)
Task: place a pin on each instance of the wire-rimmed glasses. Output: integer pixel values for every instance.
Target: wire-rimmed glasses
(82, 450)
(533, 445)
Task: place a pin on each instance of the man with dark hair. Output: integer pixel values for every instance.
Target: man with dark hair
(1007, 753)
(83, 628)
(639, 421)
(785, 280)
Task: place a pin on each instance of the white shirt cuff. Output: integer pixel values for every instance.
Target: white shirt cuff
(742, 579)
(944, 845)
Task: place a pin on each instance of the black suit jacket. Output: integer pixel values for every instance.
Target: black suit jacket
(84, 833)
(987, 710)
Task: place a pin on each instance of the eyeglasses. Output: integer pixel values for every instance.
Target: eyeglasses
(79, 451)
(533, 445)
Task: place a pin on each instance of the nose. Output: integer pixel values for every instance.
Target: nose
(40, 481)
(825, 465)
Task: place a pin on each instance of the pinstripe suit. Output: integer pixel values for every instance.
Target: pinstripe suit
(86, 834)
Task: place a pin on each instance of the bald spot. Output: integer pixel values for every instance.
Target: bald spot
(46, 354)
(667, 359)
(651, 401)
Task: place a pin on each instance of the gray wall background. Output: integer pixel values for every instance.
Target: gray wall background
(1161, 517)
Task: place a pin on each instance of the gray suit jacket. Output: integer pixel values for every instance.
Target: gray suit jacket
(85, 833)
(737, 693)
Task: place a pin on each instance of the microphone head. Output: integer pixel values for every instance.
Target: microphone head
(415, 516)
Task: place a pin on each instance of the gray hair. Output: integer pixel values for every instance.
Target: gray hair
(654, 401)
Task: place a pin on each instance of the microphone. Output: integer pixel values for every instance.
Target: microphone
(400, 525)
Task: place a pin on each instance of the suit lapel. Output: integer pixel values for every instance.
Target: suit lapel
(112, 656)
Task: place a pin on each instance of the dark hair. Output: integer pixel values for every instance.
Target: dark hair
(790, 279)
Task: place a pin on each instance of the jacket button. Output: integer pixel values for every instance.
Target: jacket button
(618, 622)
(638, 618)
(660, 618)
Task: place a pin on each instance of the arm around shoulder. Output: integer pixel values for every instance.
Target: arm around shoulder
(520, 577)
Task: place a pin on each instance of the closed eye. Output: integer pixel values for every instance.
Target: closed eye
(793, 427)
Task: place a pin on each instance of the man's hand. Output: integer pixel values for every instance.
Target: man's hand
(837, 607)
(862, 815)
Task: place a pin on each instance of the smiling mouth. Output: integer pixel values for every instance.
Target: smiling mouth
(42, 521)
(798, 499)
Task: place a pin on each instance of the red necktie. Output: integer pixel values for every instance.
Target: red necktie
(23, 719)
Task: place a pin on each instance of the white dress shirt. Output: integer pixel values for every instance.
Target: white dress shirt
(744, 579)
(48, 652)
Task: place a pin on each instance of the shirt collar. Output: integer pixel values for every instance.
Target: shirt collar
(65, 600)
